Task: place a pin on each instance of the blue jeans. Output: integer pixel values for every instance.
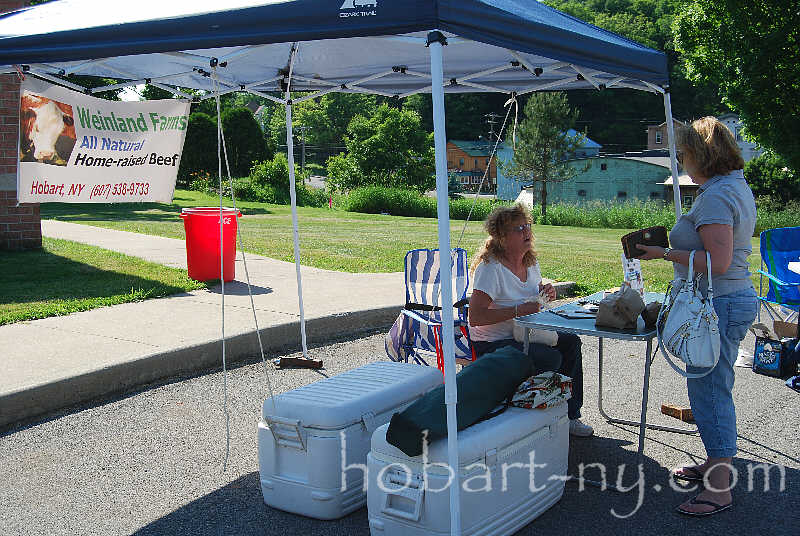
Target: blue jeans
(565, 358)
(711, 397)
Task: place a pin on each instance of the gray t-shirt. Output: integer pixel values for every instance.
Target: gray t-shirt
(725, 199)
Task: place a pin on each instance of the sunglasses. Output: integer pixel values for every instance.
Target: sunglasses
(520, 228)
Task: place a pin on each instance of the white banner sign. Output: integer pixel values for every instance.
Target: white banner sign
(74, 148)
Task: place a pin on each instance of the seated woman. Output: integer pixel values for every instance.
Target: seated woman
(506, 276)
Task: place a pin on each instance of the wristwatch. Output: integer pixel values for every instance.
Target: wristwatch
(666, 253)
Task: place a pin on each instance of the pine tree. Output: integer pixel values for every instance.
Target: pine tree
(544, 145)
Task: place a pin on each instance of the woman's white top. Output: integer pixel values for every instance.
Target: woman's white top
(506, 290)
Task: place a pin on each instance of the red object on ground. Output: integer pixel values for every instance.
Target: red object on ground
(202, 241)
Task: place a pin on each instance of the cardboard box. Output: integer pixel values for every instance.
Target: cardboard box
(785, 329)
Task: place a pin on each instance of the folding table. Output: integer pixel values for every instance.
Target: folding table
(582, 323)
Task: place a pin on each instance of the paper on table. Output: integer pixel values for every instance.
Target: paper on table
(632, 268)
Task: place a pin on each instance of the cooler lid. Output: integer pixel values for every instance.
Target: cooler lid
(342, 400)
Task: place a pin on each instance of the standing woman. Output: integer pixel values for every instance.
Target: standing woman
(721, 221)
(506, 278)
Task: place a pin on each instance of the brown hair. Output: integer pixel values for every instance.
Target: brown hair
(496, 226)
(711, 145)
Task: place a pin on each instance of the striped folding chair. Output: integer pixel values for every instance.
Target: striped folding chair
(417, 334)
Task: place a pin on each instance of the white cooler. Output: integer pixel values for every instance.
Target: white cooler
(403, 499)
(300, 445)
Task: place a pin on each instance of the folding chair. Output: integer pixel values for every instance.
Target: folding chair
(779, 247)
(417, 334)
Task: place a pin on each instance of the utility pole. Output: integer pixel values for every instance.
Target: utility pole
(303, 129)
(492, 119)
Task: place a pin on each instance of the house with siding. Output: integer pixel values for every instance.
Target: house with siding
(749, 149)
(688, 190)
(508, 188)
(468, 160)
(657, 137)
(601, 178)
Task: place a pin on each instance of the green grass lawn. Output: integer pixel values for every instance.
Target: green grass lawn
(64, 277)
(354, 242)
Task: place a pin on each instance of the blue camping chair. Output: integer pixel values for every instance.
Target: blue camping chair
(779, 247)
(417, 334)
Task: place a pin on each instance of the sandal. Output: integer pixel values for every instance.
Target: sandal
(717, 508)
(688, 474)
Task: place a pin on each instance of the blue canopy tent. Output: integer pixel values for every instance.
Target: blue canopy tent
(382, 47)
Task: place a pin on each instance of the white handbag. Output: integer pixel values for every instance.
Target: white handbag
(687, 324)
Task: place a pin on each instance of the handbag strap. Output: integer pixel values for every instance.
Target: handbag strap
(710, 282)
(690, 277)
(678, 369)
(659, 323)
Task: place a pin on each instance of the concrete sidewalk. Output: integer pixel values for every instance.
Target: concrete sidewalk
(57, 362)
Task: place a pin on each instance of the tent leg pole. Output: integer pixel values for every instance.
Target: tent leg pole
(673, 155)
(295, 233)
(435, 40)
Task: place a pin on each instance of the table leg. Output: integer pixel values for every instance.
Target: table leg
(645, 393)
(600, 379)
(645, 388)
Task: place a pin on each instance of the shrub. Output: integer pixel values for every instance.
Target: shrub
(244, 140)
(406, 202)
(394, 201)
(772, 213)
(609, 215)
(199, 149)
(200, 181)
(769, 175)
(269, 183)
(459, 208)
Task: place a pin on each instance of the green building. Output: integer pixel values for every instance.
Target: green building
(600, 178)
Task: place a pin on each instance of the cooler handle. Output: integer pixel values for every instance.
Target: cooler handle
(287, 432)
(409, 490)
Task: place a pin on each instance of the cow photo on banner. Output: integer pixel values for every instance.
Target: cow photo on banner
(74, 148)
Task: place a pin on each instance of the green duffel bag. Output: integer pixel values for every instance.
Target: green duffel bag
(482, 386)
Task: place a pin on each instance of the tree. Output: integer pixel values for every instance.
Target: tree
(199, 149)
(388, 148)
(616, 118)
(464, 113)
(769, 174)
(543, 144)
(327, 117)
(94, 81)
(752, 50)
(149, 92)
(244, 140)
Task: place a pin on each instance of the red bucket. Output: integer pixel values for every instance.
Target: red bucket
(202, 242)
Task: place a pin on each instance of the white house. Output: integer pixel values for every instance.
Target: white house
(749, 149)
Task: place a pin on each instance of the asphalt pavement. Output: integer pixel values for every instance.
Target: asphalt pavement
(131, 433)
(151, 462)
